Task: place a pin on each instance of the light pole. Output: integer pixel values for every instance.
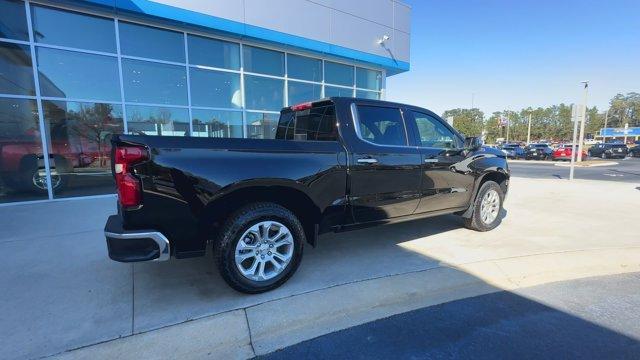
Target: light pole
(584, 119)
(529, 130)
(604, 131)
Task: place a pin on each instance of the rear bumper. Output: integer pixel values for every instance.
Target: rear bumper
(135, 245)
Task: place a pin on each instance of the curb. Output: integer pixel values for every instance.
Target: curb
(273, 325)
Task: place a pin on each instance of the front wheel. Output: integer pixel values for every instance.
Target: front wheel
(604, 155)
(486, 208)
(260, 247)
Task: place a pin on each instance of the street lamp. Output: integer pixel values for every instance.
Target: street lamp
(529, 129)
(584, 119)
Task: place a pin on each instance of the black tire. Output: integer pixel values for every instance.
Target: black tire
(235, 226)
(604, 155)
(589, 154)
(475, 221)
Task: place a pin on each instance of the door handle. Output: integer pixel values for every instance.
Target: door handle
(431, 160)
(367, 161)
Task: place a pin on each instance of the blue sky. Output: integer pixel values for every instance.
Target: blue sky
(519, 53)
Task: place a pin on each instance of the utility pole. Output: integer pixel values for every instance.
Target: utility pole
(584, 120)
(508, 125)
(529, 130)
(604, 131)
(574, 146)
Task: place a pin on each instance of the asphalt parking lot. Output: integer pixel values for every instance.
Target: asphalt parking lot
(627, 170)
(592, 318)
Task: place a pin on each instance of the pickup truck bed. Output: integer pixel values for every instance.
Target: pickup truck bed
(335, 164)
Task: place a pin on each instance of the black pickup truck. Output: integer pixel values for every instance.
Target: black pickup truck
(335, 164)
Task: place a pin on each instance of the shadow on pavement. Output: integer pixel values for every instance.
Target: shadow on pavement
(494, 326)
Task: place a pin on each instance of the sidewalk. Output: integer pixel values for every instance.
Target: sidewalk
(63, 292)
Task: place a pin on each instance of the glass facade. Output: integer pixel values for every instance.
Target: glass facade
(70, 80)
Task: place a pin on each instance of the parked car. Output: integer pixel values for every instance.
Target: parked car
(538, 152)
(513, 151)
(609, 150)
(635, 151)
(564, 151)
(335, 164)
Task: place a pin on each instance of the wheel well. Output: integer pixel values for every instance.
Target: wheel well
(497, 177)
(292, 199)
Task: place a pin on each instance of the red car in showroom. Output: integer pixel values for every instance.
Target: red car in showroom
(564, 151)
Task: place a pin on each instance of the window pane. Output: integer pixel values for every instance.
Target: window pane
(150, 42)
(58, 27)
(330, 91)
(13, 20)
(79, 136)
(381, 125)
(213, 52)
(70, 74)
(217, 123)
(338, 74)
(368, 79)
(304, 68)
(153, 120)
(148, 82)
(301, 92)
(264, 93)
(16, 73)
(433, 133)
(215, 89)
(315, 124)
(261, 125)
(367, 95)
(21, 171)
(263, 61)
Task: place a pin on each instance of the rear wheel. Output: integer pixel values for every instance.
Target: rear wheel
(260, 247)
(486, 208)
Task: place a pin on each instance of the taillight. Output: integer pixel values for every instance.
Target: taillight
(129, 187)
(303, 106)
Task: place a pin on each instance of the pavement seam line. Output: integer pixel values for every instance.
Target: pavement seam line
(133, 298)
(246, 317)
(513, 282)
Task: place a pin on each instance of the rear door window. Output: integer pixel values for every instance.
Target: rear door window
(381, 125)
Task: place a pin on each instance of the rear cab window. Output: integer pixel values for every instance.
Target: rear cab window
(381, 125)
(309, 122)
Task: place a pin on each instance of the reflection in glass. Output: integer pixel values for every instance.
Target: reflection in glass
(304, 68)
(368, 79)
(65, 28)
(161, 121)
(79, 143)
(149, 82)
(214, 53)
(261, 125)
(302, 92)
(149, 42)
(16, 73)
(367, 95)
(263, 93)
(70, 74)
(339, 74)
(263, 61)
(215, 88)
(217, 123)
(21, 166)
(13, 20)
(330, 91)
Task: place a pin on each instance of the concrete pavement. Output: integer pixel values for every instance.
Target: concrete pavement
(64, 293)
(592, 318)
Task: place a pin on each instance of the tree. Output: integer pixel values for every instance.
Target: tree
(467, 121)
(624, 109)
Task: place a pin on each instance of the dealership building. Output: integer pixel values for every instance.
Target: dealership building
(73, 73)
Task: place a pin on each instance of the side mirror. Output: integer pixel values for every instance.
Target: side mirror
(472, 143)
